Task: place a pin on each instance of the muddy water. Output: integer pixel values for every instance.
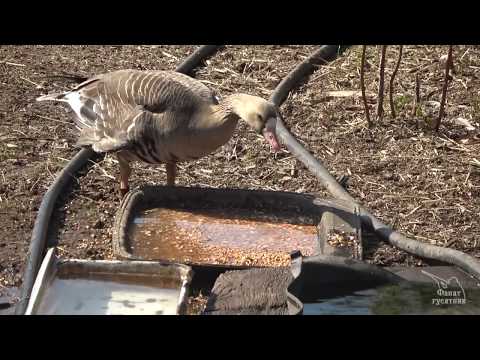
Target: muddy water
(103, 295)
(217, 238)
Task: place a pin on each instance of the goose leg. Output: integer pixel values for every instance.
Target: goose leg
(125, 171)
(171, 173)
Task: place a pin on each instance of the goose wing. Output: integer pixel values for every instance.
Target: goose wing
(118, 109)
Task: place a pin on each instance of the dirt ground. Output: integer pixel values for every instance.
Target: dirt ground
(424, 184)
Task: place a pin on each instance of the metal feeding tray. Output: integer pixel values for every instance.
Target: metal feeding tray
(223, 227)
(84, 287)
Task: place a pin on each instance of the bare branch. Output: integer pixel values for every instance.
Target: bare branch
(392, 80)
(362, 84)
(381, 83)
(448, 65)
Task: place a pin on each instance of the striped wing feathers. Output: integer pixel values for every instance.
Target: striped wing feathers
(118, 108)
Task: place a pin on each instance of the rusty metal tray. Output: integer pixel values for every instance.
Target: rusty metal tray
(292, 209)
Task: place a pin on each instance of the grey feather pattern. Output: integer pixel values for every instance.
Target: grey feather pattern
(134, 109)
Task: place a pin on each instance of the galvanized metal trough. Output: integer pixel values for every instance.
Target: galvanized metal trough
(84, 287)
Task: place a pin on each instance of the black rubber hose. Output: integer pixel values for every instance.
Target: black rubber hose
(450, 256)
(38, 240)
(197, 57)
(294, 79)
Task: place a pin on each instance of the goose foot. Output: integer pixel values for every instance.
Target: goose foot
(125, 171)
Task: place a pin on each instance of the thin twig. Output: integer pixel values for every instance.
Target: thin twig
(475, 162)
(448, 65)
(416, 101)
(392, 80)
(362, 84)
(381, 83)
(32, 82)
(49, 118)
(86, 198)
(413, 211)
(97, 165)
(12, 64)
(451, 242)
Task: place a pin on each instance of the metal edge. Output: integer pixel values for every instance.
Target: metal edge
(356, 224)
(294, 305)
(183, 297)
(42, 277)
(122, 220)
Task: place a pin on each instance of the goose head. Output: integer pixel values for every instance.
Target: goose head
(260, 115)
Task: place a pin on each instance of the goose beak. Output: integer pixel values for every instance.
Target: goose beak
(270, 135)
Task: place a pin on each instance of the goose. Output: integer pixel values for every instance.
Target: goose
(160, 117)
